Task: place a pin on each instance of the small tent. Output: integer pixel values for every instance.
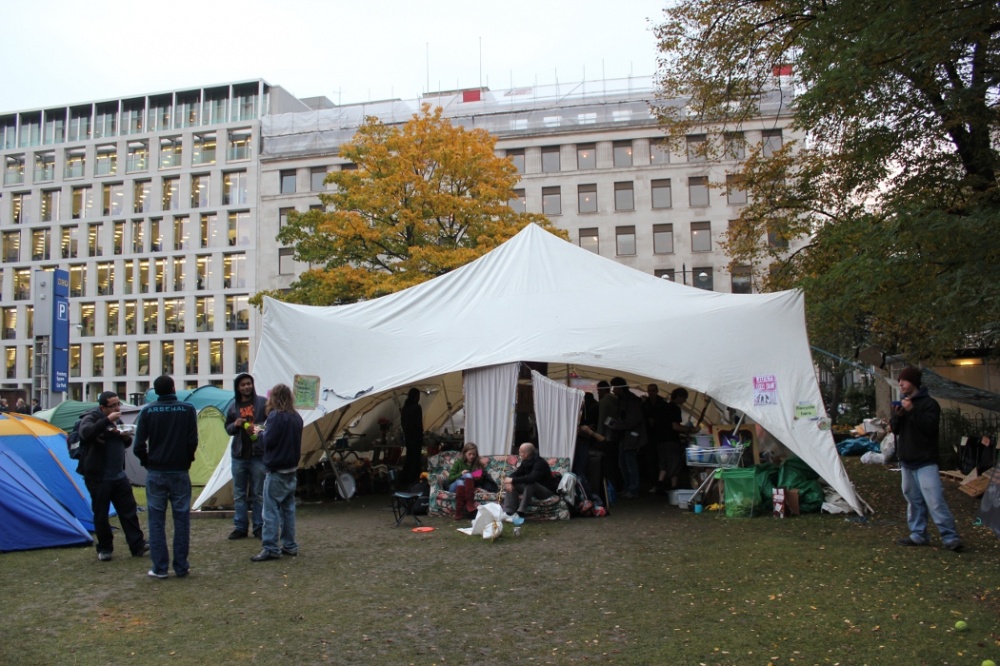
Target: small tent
(213, 444)
(539, 298)
(30, 516)
(41, 447)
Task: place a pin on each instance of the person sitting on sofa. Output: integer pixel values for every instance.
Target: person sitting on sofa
(467, 473)
(532, 479)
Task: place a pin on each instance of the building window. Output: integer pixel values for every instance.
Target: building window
(14, 170)
(133, 116)
(11, 362)
(624, 197)
(317, 179)
(12, 246)
(517, 159)
(586, 156)
(661, 193)
(589, 240)
(76, 163)
(204, 314)
(773, 142)
(623, 153)
(216, 101)
(200, 190)
(586, 198)
(518, 203)
(663, 239)
(171, 152)
(21, 208)
(736, 145)
(179, 274)
(625, 241)
(586, 118)
(239, 145)
(119, 238)
(701, 277)
(151, 317)
(659, 152)
(55, 126)
(203, 148)
(182, 234)
(776, 239)
(234, 271)
(234, 188)
(242, 354)
(215, 353)
(701, 236)
(167, 357)
(286, 261)
(142, 201)
(188, 105)
(173, 315)
(283, 217)
(287, 181)
(665, 274)
(106, 120)
(238, 232)
(69, 242)
(22, 284)
(106, 163)
(94, 246)
(131, 321)
(550, 159)
(237, 313)
(105, 279)
(113, 199)
(78, 282)
(45, 166)
(696, 148)
(741, 280)
(50, 205)
(161, 111)
(698, 191)
(244, 105)
(171, 199)
(40, 241)
(138, 241)
(155, 235)
(83, 202)
(136, 156)
(191, 357)
(79, 123)
(210, 233)
(735, 194)
(551, 201)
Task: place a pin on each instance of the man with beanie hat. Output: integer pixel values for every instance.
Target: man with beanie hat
(166, 438)
(243, 418)
(915, 421)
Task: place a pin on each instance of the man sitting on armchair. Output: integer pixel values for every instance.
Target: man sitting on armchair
(532, 479)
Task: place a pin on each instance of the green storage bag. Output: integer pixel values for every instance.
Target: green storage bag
(741, 495)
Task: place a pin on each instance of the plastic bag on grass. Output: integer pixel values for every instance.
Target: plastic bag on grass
(741, 494)
(488, 522)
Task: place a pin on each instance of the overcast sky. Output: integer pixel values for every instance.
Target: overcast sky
(58, 52)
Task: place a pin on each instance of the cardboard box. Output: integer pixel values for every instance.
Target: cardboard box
(778, 499)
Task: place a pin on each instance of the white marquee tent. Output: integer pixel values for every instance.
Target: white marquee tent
(539, 298)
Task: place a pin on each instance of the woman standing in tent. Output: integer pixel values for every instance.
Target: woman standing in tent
(412, 421)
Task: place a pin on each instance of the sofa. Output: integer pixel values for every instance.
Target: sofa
(442, 502)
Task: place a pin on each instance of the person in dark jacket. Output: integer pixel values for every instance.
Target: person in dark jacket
(243, 418)
(915, 422)
(282, 448)
(630, 432)
(166, 439)
(103, 469)
(411, 418)
(532, 479)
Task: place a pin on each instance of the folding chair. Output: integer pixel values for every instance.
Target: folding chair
(403, 505)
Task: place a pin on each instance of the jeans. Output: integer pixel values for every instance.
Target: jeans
(520, 497)
(460, 481)
(248, 487)
(924, 495)
(628, 462)
(174, 487)
(279, 512)
(119, 493)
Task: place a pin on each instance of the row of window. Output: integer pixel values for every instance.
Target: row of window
(662, 236)
(161, 358)
(140, 276)
(140, 236)
(660, 196)
(137, 157)
(131, 116)
(288, 179)
(115, 199)
(622, 152)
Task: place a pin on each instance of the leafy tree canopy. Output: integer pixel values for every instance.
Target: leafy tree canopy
(426, 197)
(894, 188)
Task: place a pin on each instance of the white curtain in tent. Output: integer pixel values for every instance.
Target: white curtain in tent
(557, 412)
(490, 394)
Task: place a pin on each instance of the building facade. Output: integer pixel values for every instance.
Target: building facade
(164, 208)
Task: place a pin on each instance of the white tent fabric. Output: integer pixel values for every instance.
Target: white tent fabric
(557, 413)
(219, 489)
(489, 407)
(539, 298)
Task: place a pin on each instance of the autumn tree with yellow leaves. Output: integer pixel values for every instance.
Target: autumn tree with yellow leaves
(425, 198)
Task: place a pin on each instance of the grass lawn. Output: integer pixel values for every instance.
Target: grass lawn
(649, 584)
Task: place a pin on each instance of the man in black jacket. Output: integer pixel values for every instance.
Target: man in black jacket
(243, 418)
(165, 442)
(915, 422)
(102, 466)
(532, 479)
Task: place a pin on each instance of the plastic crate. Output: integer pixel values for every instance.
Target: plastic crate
(724, 456)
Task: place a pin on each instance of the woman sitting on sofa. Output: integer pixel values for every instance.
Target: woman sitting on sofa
(466, 473)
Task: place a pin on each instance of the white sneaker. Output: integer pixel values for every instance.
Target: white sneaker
(153, 574)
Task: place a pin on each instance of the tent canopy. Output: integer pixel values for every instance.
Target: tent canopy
(539, 298)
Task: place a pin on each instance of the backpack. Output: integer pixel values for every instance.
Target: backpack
(77, 449)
